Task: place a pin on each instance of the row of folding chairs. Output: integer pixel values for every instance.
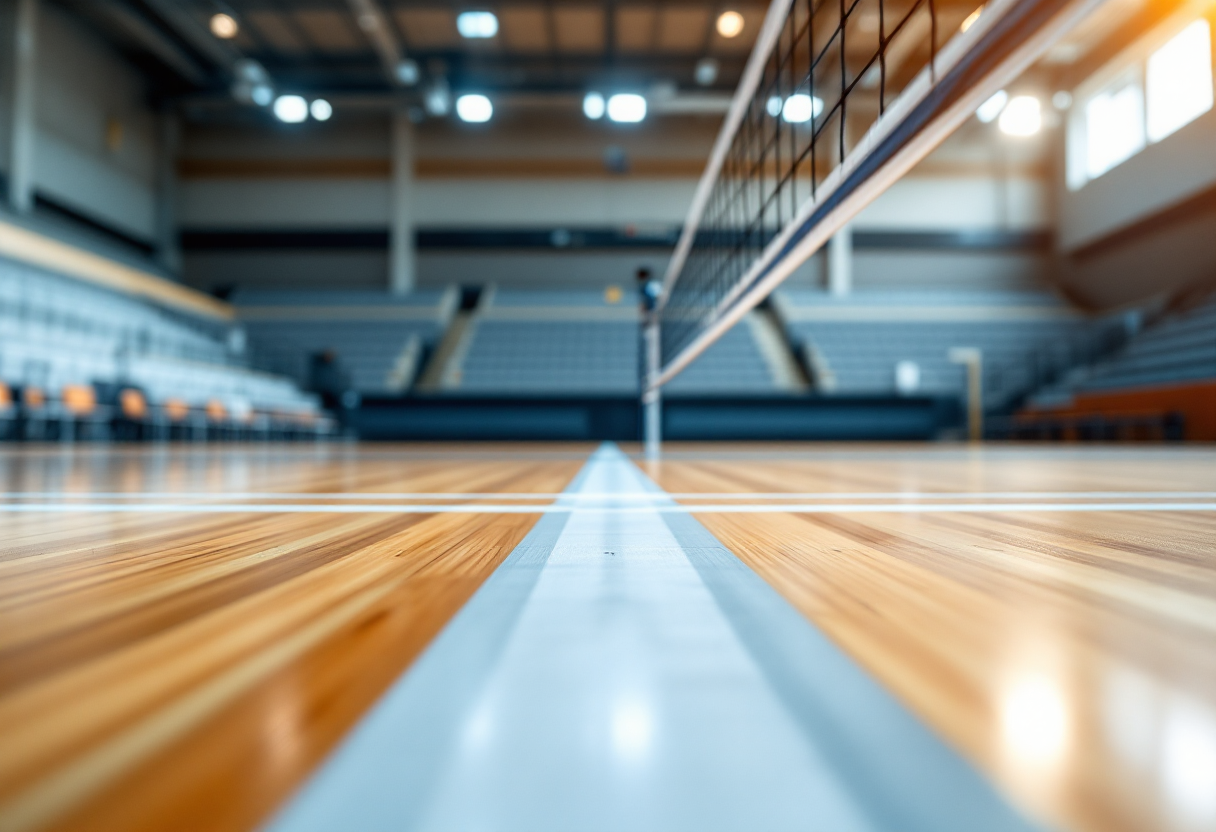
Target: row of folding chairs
(107, 412)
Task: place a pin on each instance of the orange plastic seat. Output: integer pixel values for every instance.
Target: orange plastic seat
(133, 404)
(79, 399)
(177, 410)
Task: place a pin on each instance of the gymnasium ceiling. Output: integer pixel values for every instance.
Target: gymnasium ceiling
(543, 50)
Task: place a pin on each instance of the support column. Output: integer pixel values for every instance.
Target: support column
(652, 412)
(168, 248)
(21, 70)
(401, 221)
(840, 262)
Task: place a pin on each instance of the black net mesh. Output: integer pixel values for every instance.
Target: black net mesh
(834, 69)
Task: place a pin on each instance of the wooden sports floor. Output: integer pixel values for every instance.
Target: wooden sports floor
(188, 633)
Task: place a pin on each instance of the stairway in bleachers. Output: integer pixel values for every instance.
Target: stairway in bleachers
(861, 339)
(584, 343)
(369, 332)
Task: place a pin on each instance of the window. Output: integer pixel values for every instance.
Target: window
(1142, 97)
(1178, 81)
(1114, 128)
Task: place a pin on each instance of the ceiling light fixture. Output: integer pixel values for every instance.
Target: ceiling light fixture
(990, 109)
(290, 109)
(970, 19)
(224, 26)
(730, 24)
(474, 108)
(438, 98)
(706, 72)
(801, 108)
(477, 24)
(321, 109)
(1022, 116)
(407, 72)
(593, 106)
(627, 108)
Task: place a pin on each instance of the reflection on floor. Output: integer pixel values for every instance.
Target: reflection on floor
(185, 633)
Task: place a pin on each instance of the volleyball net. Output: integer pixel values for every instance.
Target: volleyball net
(839, 99)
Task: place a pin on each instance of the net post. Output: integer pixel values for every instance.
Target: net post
(652, 414)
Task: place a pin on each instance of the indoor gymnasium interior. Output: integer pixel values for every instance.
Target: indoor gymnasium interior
(607, 416)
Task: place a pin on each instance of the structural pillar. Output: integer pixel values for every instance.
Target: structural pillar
(19, 166)
(840, 262)
(652, 412)
(168, 248)
(401, 221)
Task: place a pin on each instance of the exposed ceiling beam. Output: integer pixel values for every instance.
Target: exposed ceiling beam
(178, 16)
(375, 24)
(138, 30)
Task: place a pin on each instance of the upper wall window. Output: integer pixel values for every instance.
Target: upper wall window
(1146, 94)
(1114, 125)
(1178, 80)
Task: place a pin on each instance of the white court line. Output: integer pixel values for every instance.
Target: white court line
(552, 508)
(645, 498)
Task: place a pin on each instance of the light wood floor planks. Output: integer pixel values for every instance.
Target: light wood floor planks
(177, 671)
(1071, 655)
(166, 670)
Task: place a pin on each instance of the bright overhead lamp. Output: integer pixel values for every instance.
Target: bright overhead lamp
(801, 108)
(437, 99)
(407, 72)
(477, 24)
(321, 109)
(730, 24)
(224, 26)
(593, 106)
(970, 19)
(261, 94)
(706, 72)
(290, 109)
(474, 108)
(627, 108)
(1022, 116)
(990, 109)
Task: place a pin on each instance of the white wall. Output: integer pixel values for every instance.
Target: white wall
(82, 85)
(1163, 174)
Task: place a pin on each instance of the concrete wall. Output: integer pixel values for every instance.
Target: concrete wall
(87, 97)
(1146, 229)
(541, 175)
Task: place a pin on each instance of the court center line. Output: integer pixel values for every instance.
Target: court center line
(622, 695)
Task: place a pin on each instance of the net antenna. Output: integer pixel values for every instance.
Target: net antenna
(839, 99)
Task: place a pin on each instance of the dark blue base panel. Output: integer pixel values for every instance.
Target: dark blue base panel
(619, 419)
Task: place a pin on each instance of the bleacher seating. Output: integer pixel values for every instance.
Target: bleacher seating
(734, 365)
(583, 343)
(1180, 348)
(62, 340)
(372, 334)
(550, 343)
(863, 337)
(1160, 385)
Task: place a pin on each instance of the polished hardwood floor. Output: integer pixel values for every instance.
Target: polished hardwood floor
(1070, 654)
(169, 670)
(181, 641)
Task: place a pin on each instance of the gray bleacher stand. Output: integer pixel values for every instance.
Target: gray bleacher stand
(380, 339)
(580, 342)
(59, 335)
(866, 344)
